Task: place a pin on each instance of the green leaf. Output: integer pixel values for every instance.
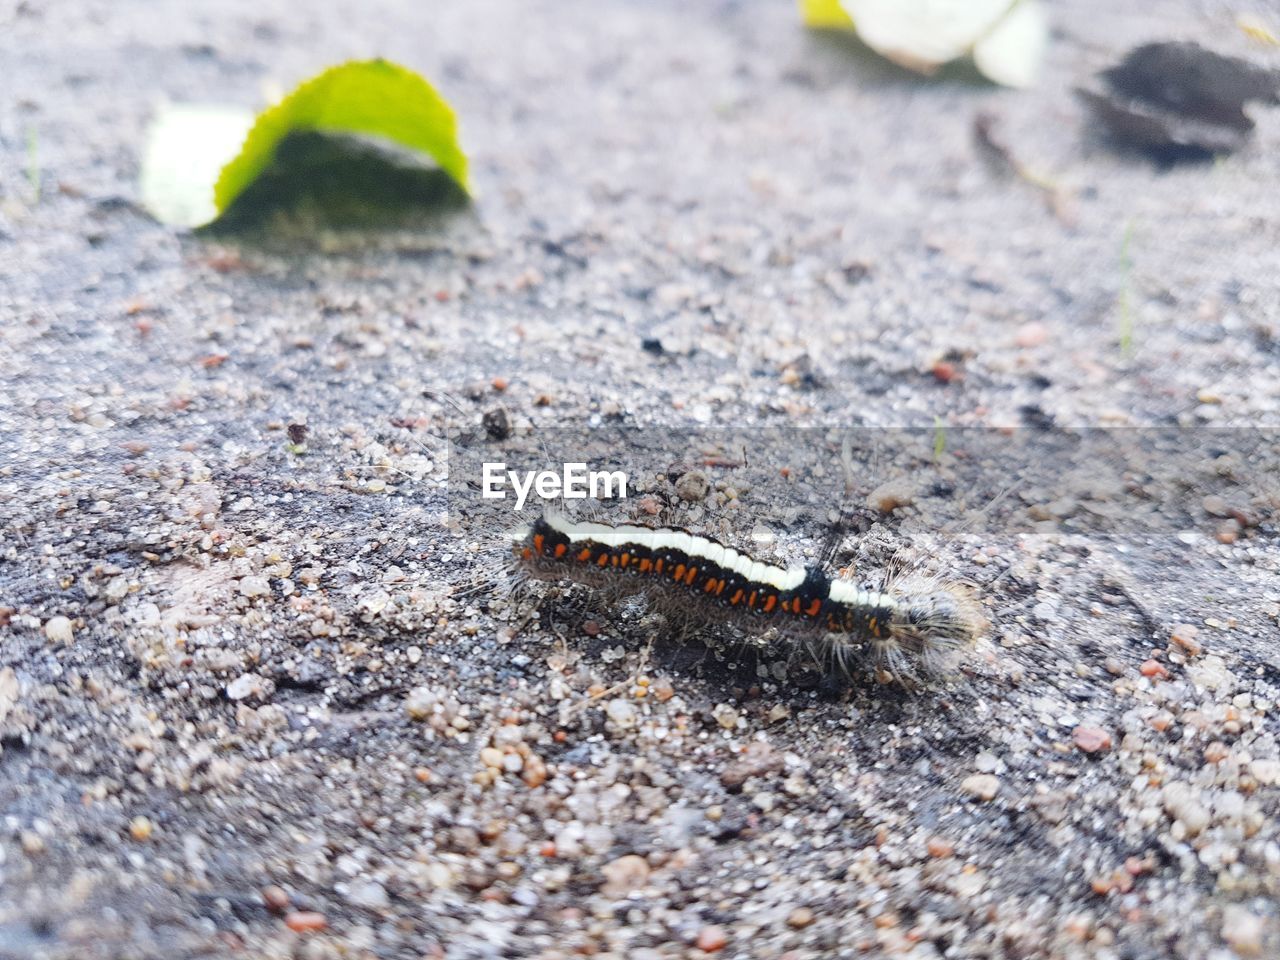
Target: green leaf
(825, 15)
(200, 158)
(373, 97)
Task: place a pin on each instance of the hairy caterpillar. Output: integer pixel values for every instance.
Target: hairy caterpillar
(913, 626)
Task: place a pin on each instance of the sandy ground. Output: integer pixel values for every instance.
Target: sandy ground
(268, 704)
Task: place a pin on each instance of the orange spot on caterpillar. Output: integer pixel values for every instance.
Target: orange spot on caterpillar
(526, 553)
(720, 587)
(874, 626)
(711, 585)
(751, 601)
(771, 602)
(626, 558)
(737, 597)
(646, 565)
(658, 565)
(814, 606)
(678, 573)
(560, 550)
(689, 577)
(603, 561)
(614, 559)
(585, 555)
(538, 541)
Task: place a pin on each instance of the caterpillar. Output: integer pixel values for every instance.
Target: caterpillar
(911, 627)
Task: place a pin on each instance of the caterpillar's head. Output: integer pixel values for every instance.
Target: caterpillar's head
(518, 538)
(539, 549)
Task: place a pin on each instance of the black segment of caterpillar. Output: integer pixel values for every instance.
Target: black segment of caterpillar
(913, 627)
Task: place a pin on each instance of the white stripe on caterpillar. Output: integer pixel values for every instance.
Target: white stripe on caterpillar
(913, 626)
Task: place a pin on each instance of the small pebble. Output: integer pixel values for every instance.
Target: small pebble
(32, 843)
(725, 715)
(1154, 669)
(1031, 334)
(944, 371)
(624, 875)
(938, 847)
(759, 760)
(305, 921)
(275, 898)
(1215, 506)
(984, 786)
(368, 894)
(891, 495)
(622, 713)
(986, 762)
(1185, 635)
(693, 486)
(58, 630)
(254, 587)
(968, 884)
(140, 829)
(420, 703)
(535, 772)
(712, 938)
(1046, 611)
(1091, 739)
(244, 686)
(1182, 805)
(496, 423)
(1266, 772)
(1216, 752)
(1208, 395)
(1137, 866)
(1242, 930)
(799, 918)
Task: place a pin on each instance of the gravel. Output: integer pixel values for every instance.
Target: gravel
(260, 692)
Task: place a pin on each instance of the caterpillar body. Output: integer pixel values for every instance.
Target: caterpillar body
(914, 626)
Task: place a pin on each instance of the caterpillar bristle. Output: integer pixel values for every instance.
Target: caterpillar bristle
(913, 629)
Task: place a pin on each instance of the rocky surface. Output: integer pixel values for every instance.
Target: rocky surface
(260, 700)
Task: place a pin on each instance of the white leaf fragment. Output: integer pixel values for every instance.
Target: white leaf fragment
(1006, 38)
(187, 147)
